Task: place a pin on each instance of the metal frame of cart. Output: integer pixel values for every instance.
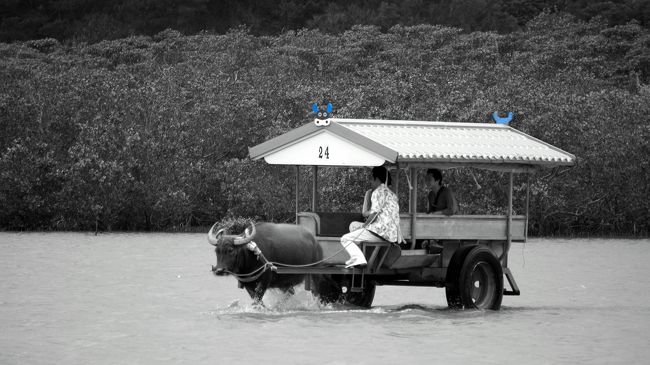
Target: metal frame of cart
(472, 257)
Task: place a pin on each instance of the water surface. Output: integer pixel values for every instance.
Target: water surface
(75, 298)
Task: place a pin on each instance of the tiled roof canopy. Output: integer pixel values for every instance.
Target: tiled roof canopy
(431, 143)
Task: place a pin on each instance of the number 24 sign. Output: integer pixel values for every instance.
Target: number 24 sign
(326, 152)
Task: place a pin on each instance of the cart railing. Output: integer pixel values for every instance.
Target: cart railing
(456, 227)
(464, 227)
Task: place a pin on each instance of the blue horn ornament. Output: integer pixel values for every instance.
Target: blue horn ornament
(500, 120)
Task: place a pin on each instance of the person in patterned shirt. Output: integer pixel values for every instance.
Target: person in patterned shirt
(382, 223)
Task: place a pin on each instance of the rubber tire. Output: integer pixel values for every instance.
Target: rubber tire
(329, 291)
(452, 286)
(364, 298)
(479, 283)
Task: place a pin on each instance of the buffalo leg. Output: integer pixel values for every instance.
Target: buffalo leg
(262, 285)
(257, 289)
(256, 294)
(251, 290)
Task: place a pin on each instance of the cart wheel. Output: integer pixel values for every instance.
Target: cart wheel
(479, 283)
(363, 298)
(331, 290)
(452, 287)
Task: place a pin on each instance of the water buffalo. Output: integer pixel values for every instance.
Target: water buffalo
(281, 243)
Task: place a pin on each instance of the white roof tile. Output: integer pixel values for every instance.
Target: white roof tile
(483, 145)
(455, 142)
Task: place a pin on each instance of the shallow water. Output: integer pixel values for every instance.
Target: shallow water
(74, 298)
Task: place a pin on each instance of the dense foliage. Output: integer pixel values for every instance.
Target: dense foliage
(96, 20)
(152, 132)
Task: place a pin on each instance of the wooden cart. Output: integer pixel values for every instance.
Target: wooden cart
(469, 253)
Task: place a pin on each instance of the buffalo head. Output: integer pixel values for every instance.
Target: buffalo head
(229, 249)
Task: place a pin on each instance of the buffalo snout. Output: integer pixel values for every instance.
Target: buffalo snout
(218, 271)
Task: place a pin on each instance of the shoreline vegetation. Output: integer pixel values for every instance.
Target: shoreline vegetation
(92, 21)
(148, 133)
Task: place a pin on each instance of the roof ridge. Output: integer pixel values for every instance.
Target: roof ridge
(415, 123)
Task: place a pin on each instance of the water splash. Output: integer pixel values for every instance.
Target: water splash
(301, 300)
(278, 305)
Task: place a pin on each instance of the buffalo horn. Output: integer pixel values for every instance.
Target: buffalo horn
(247, 237)
(214, 238)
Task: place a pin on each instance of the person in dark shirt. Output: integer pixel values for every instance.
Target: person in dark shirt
(441, 199)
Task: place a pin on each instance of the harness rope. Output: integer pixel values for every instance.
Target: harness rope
(254, 274)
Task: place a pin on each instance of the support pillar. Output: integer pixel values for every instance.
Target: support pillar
(414, 204)
(314, 189)
(297, 191)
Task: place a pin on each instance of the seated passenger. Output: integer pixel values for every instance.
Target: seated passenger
(382, 223)
(365, 209)
(441, 199)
